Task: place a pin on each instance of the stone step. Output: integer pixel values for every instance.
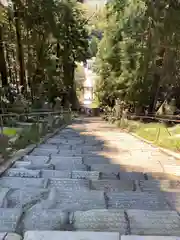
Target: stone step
(34, 166)
(162, 223)
(80, 200)
(160, 176)
(131, 176)
(91, 175)
(21, 164)
(23, 173)
(57, 141)
(64, 146)
(9, 236)
(136, 200)
(45, 219)
(55, 174)
(112, 185)
(43, 152)
(60, 235)
(17, 182)
(47, 146)
(173, 199)
(70, 167)
(89, 146)
(65, 152)
(25, 197)
(99, 220)
(87, 149)
(65, 160)
(71, 184)
(90, 160)
(133, 237)
(9, 219)
(106, 168)
(3, 200)
(159, 185)
(36, 159)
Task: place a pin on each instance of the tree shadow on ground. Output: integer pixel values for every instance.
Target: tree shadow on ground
(102, 157)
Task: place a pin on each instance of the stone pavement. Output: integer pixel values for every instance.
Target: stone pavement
(88, 182)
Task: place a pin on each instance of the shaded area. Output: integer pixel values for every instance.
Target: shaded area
(86, 179)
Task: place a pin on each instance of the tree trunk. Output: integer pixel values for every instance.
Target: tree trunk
(9, 64)
(154, 93)
(22, 76)
(3, 68)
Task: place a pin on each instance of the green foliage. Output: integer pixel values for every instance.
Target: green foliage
(138, 57)
(10, 132)
(26, 137)
(48, 36)
(93, 46)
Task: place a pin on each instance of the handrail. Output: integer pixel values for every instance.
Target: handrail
(163, 118)
(32, 113)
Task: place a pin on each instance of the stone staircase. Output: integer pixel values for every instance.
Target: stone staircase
(64, 189)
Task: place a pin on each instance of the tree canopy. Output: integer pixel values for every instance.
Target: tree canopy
(40, 41)
(138, 57)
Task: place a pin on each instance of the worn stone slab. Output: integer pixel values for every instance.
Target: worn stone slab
(3, 199)
(45, 219)
(40, 167)
(99, 220)
(172, 169)
(87, 149)
(55, 235)
(136, 200)
(80, 200)
(47, 146)
(17, 182)
(65, 160)
(43, 152)
(40, 160)
(131, 176)
(2, 235)
(159, 185)
(55, 174)
(91, 175)
(25, 197)
(21, 164)
(64, 146)
(9, 219)
(70, 167)
(112, 185)
(22, 172)
(12, 236)
(149, 238)
(57, 141)
(107, 171)
(73, 184)
(143, 222)
(173, 199)
(47, 166)
(90, 160)
(67, 152)
(106, 168)
(75, 142)
(160, 176)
